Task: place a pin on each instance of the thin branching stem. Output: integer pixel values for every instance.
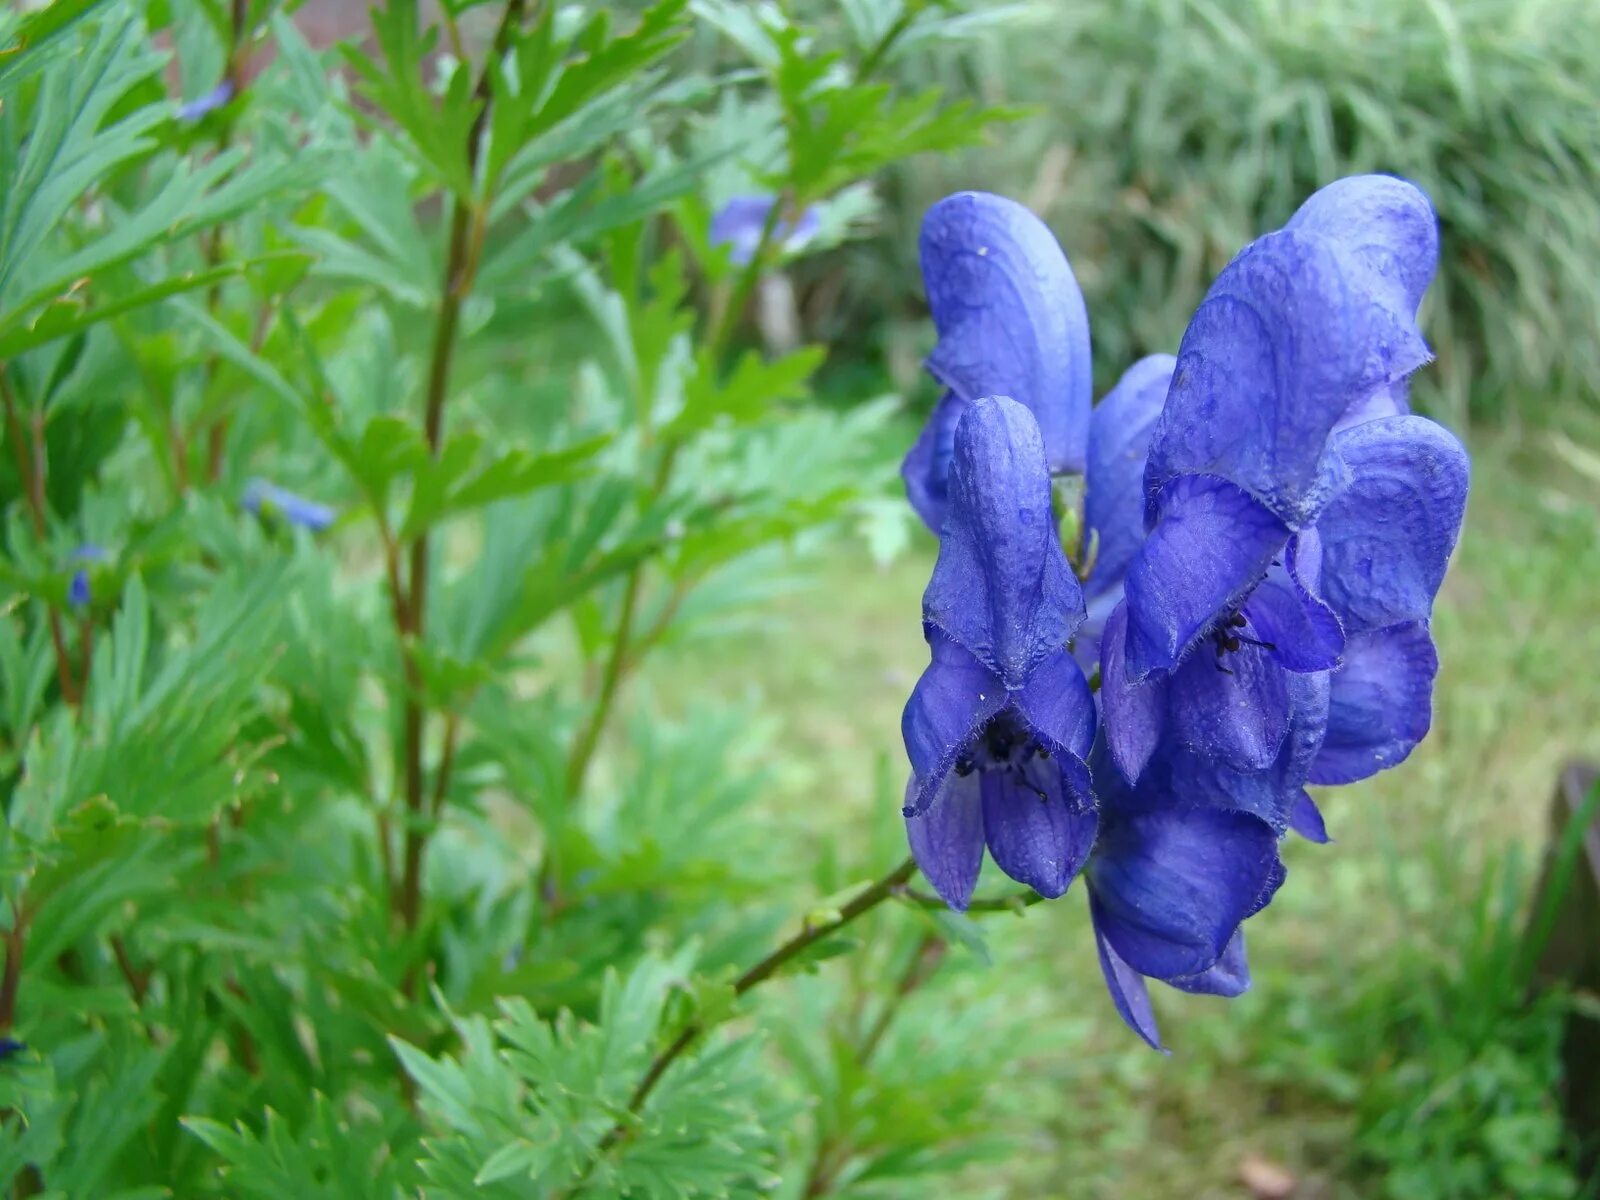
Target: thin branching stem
(30, 450)
(863, 902)
(467, 223)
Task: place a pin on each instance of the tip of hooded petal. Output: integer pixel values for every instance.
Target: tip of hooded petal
(1010, 316)
(1305, 818)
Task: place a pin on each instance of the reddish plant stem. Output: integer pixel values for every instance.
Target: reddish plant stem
(15, 942)
(32, 469)
(467, 230)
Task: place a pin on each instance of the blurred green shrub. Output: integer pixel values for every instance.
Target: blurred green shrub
(1172, 131)
(1442, 1046)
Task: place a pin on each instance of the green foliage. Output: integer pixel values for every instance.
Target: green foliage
(331, 864)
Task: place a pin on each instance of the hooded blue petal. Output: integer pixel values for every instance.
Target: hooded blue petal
(1386, 224)
(947, 839)
(926, 469)
(1232, 708)
(1269, 792)
(951, 702)
(1387, 537)
(1128, 990)
(1210, 545)
(1119, 435)
(78, 588)
(1001, 587)
(1040, 821)
(1133, 713)
(1303, 632)
(1289, 338)
(1010, 317)
(1171, 885)
(1228, 976)
(1381, 703)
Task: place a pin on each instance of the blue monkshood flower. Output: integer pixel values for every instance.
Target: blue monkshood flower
(210, 102)
(739, 222)
(78, 594)
(262, 497)
(1283, 487)
(1011, 322)
(1000, 724)
(1170, 883)
(10, 1047)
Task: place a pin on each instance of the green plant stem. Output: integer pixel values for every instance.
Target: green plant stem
(880, 51)
(746, 283)
(622, 659)
(832, 1153)
(993, 904)
(467, 228)
(863, 902)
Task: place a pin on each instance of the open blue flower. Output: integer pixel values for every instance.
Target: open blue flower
(1170, 883)
(739, 222)
(1000, 724)
(1011, 322)
(1276, 502)
(265, 498)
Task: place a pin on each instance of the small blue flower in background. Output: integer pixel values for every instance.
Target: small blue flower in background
(1000, 724)
(211, 101)
(264, 498)
(739, 222)
(78, 588)
(1276, 502)
(10, 1047)
(1011, 322)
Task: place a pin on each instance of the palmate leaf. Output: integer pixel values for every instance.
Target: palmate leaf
(330, 1158)
(563, 87)
(48, 287)
(432, 132)
(529, 1101)
(67, 150)
(75, 311)
(459, 479)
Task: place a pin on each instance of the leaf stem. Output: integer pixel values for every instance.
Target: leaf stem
(880, 50)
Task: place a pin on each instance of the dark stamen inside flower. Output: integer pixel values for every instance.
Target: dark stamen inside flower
(1006, 745)
(1228, 642)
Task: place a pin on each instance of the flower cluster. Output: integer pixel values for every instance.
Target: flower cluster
(1266, 527)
